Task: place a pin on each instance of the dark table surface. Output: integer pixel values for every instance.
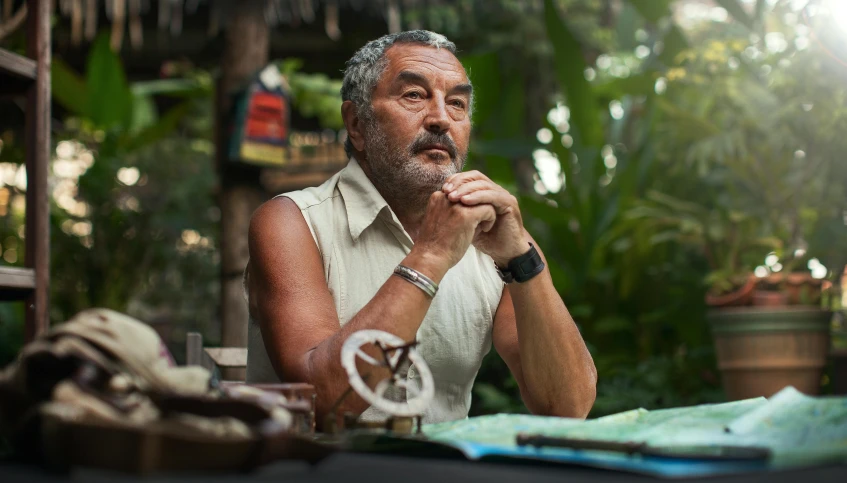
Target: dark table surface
(396, 469)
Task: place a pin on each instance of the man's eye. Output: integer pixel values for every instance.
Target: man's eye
(414, 95)
(458, 103)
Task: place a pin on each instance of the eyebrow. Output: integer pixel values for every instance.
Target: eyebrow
(415, 78)
(463, 89)
(412, 77)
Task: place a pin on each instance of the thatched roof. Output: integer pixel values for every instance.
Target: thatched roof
(125, 18)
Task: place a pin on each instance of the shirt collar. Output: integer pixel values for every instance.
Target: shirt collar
(361, 199)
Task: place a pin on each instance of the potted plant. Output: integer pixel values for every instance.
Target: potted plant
(766, 318)
(780, 339)
(756, 162)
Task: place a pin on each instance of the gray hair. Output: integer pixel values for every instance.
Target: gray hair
(366, 66)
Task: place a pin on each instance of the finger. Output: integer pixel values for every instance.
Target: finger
(466, 176)
(460, 178)
(502, 201)
(470, 187)
(487, 225)
(437, 198)
(487, 214)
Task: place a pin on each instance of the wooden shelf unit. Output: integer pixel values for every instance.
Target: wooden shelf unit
(17, 74)
(29, 76)
(14, 65)
(16, 283)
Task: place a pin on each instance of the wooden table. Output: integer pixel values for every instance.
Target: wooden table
(395, 469)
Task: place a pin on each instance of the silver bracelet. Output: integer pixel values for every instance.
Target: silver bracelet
(417, 279)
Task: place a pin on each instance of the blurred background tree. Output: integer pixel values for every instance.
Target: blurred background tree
(636, 134)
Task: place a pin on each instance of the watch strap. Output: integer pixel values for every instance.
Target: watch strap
(523, 267)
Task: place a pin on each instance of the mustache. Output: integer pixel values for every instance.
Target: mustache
(430, 138)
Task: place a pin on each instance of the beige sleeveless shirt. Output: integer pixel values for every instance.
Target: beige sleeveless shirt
(361, 241)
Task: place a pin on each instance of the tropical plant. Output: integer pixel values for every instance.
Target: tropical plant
(679, 165)
(739, 114)
(633, 303)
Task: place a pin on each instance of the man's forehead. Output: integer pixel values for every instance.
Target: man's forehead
(424, 60)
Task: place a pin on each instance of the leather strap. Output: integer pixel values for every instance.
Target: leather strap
(522, 268)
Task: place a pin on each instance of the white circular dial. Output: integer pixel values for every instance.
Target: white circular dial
(418, 397)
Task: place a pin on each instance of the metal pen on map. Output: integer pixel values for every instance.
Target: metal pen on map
(692, 452)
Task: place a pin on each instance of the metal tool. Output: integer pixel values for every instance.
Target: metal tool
(395, 351)
(693, 452)
(395, 355)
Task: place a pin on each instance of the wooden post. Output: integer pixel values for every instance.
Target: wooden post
(193, 349)
(38, 149)
(245, 52)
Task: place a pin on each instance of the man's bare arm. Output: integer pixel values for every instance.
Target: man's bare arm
(533, 331)
(536, 336)
(291, 301)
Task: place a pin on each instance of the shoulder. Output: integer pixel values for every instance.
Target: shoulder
(270, 216)
(292, 217)
(309, 198)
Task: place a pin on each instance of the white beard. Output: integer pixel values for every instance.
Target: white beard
(405, 182)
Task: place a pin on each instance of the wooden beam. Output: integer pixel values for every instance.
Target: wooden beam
(193, 349)
(276, 182)
(245, 52)
(16, 283)
(37, 236)
(17, 278)
(12, 64)
(226, 357)
(194, 354)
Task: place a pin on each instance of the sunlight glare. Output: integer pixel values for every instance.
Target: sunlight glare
(838, 9)
(128, 176)
(549, 170)
(544, 135)
(771, 260)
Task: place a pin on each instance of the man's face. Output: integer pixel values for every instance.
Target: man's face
(417, 134)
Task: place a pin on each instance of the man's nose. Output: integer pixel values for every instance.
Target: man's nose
(437, 120)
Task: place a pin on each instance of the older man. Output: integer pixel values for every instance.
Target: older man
(370, 248)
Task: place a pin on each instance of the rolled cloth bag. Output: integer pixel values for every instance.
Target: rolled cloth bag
(105, 367)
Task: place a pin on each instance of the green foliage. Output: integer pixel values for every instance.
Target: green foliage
(661, 381)
(315, 95)
(134, 223)
(689, 186)
(105, 79)
(133, 226)
(570, 68)
(737, 12)
(673, 39)
(635, 304)
(11, 331)
(730, 240)
(756, 127)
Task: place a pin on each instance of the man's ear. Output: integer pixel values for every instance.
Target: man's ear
(353, 124)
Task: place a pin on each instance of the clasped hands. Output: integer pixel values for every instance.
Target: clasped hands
(472, 209)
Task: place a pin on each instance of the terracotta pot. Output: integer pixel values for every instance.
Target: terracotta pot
(802, 289)
(742, 296)
(767, 298)
(799, 288)
(761, 350)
